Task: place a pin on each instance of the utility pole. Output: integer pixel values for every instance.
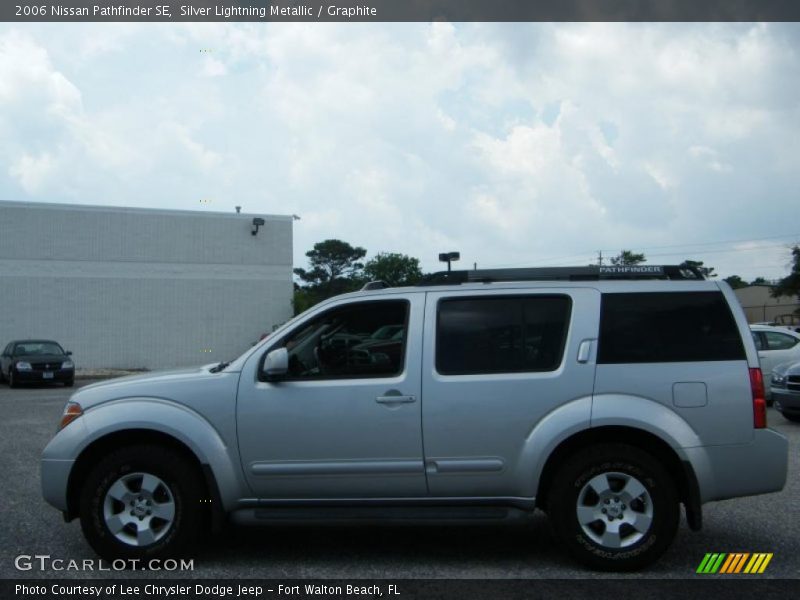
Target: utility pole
(600, 258)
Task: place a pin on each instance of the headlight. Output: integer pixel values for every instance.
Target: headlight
(72, 411)
(67, 364)
(23, 366)
(778, 378)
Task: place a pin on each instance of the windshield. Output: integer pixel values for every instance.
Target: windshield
(38, 348)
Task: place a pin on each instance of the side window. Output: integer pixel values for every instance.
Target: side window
(758, 340)
(667, 327)
(779, 341)
(501, 334)
(364, 339)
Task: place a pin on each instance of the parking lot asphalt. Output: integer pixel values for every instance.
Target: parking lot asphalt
(29, 526)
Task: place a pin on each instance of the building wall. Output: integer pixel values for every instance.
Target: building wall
(138, 288)
(759, 306)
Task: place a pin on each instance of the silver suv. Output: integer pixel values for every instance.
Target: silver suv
(606, 396)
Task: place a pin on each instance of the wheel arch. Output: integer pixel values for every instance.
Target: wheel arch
(93, 453)
(679, 470)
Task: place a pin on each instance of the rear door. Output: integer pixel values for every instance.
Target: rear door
(495, 364)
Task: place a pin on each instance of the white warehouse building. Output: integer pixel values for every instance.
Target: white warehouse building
(131, 288)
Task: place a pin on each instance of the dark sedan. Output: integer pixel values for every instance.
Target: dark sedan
(36, 361)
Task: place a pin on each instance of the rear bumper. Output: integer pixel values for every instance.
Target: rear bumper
(732, 471)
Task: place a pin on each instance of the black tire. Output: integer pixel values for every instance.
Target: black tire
(12, 381)
(2, 377)
(183, 482)
(69, 383)
(623, 464)
(792, 418)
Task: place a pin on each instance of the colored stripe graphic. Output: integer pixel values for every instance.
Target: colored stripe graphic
(711, 563)
(742, 559)
(734, 562)
(723, 563)
(758, 563)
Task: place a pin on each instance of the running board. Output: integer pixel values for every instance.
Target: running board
(389, 515)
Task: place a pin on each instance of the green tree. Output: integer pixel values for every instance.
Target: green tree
(394, 269)
(735, 282)
(332, 260)
(334, 268)
(708, 272)
(304, 298)
(628, 258)
(790, 285)
(758, 281)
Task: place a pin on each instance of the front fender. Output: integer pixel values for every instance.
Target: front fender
(155, 414)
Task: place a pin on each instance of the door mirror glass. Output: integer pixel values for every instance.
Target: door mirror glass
(276, 364)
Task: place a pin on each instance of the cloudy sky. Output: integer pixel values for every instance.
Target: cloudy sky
(516, 144)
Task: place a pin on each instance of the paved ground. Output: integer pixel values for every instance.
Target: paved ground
(768, 523)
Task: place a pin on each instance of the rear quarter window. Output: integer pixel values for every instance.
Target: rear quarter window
(667, 327)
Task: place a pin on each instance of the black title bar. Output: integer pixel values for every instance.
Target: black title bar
(398, 10)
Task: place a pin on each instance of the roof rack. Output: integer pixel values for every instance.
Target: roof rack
(375, 285)
(588, 273)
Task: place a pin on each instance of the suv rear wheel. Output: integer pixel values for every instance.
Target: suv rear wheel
(613, 507)
(141, 502)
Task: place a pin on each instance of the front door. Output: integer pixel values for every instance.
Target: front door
(346, 420)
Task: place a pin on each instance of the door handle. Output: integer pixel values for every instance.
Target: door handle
(395, 399)
(584, 351)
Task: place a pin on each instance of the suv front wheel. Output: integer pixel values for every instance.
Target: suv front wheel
(141, 502)
(613, 507)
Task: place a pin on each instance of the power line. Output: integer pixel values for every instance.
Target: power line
(591, 257)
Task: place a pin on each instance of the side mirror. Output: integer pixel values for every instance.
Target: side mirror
(68, 352)
(276, 364)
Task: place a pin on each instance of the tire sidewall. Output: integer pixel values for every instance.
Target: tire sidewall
(175, 475)
(653, 543)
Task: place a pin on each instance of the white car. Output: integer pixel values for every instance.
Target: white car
(775, 345)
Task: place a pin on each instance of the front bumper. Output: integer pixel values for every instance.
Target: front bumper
(786, 401)
(732, 471)
(36, 376)
(58, 459)
(55, 479)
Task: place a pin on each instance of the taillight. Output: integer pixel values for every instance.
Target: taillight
(759, 402)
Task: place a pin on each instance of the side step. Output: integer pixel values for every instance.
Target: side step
(389, 515)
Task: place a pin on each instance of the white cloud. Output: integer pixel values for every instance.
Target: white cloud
(710, 158)
(213, 67)
(32, 171)
(509, 142)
